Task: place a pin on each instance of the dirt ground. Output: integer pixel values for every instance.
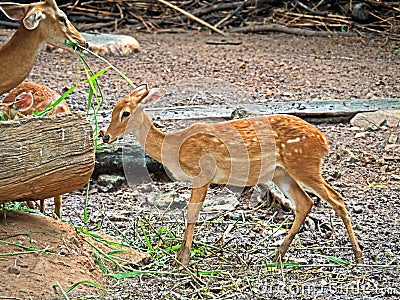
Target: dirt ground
(233, 247)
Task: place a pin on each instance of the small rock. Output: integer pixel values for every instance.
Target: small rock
(225, 203)
(393, 138)
(299, 260)
(111, 43)
(170, 199)
(237, 216)
(395, 177)
(145, 188)
(310, 224)
(375, 119)
(278, 243)
(358, 209)
(63, 250)
(14, 269)
(240, 113)
(360, 135)
(109, 183)
(370, 96)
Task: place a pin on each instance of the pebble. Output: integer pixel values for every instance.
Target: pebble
(358, 209)
(14, 270)
(393, 138)
(395, 176)
(114, 44)
(360, 135)
(109, 183)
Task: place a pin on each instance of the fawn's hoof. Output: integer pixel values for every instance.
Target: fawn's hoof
(184, 256)
(359, 258)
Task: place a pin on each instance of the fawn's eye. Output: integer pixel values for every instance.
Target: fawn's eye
(63, 20)
(125, 114)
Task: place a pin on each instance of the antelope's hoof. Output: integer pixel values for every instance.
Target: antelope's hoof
(184, 256)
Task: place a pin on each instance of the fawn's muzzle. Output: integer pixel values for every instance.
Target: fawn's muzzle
(106, 139)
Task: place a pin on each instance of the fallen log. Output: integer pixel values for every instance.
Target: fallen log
(289, 30)
(127, 156)
(318, 111)
(46, 156)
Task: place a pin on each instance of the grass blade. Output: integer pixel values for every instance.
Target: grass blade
(64, 294)
(339, 261)
(85, 282)
(76, 46)
(53, 105)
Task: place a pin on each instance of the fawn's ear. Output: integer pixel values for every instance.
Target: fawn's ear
(32, 19)
(153, 96)
(23, 101)
(13, 11)
(52, 3)
(140, 91)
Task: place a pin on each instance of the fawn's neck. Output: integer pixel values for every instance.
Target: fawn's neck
(149, 137)
(18, 56)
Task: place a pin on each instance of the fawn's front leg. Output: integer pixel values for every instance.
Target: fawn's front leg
(195, 204)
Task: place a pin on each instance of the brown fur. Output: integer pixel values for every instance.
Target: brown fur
(281, 148)
(43, 96)
(19, 54)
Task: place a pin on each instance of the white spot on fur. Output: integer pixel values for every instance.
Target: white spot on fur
(296, 140)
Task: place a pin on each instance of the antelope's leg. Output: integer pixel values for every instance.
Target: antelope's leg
(319, 187)
(302, 202)
(31, 204)
(195, 204)
(57, 204)
(326, 192)
(42, 207)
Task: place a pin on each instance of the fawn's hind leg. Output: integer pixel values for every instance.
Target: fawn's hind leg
(302, 206)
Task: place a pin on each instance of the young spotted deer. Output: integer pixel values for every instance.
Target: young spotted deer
(24, 100)
(14, 109)
(42, 22)
(29, 97)
(244, 152)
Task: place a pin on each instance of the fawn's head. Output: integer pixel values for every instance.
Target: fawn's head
(130, 109)
(47, 19)
(22, 103)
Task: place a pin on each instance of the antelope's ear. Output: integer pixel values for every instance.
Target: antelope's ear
(52, 3)
(13, 11)
(153, 96)
(23, 101)
(32, 19)
(140, 91)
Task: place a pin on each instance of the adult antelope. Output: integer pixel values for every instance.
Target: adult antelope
(281, 148)
(42, 22)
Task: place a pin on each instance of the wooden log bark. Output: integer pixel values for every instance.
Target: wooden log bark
(318, 111)
(46, 156)
(126, 154)
(124, 157)
(289, 30)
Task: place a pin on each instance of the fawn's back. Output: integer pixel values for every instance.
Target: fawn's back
(244, 152)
